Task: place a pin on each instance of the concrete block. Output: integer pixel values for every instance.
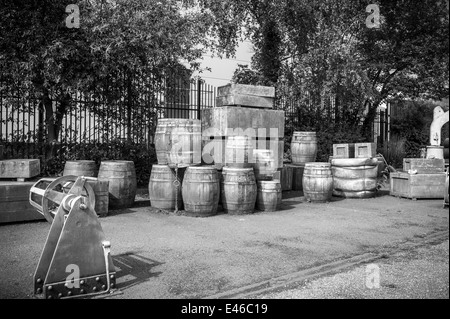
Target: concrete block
(223, 121)
(364, 150)
(344, 150)
(19, 168)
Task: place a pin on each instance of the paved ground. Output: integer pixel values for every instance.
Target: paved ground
(411, 274)
(160, 255)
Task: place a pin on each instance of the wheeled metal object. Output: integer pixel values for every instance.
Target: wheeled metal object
(76, 260)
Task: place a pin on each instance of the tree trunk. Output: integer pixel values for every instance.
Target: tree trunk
(367, 129)
(53, 121)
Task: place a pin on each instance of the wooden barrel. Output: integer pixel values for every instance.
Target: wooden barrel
(80, 168)
(201, 191)
(163, 188)
(101, 191)
(122, 182)
(355, 178)
(304, 147)
(238, 191)
(178, 141)
(265, 165)
(318, 182)
(268, 197)
(239, 152)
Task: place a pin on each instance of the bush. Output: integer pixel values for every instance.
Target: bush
(142, 156)
(394, 152)
(410, 126)
(326, 137)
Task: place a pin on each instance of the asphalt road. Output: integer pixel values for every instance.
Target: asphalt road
(159, 255)
(421, 273)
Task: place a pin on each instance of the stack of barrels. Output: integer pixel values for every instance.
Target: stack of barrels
(178, 180)
(311, 177)
(114, 183)
(247, 180)
(243, 183)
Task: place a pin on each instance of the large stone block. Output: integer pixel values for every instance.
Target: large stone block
(344, 150)
(424, 165)
(19, 168)
(245, 101)
(364, 150)
(224, 121)
(15, 205)
(252, 90)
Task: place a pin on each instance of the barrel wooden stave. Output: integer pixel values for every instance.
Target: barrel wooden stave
(304, 147)
(122, 182)
(80, 168)
(317, 182)
(269, 196)
(239, 191)
(163, 193)
(201, 191)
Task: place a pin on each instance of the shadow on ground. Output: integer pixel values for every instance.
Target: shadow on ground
(133, 269)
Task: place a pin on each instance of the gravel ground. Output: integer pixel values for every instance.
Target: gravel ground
(415, 274)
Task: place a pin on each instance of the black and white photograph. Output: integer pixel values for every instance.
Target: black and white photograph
(224, 158)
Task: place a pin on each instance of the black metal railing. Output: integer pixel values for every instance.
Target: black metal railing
(94, 117)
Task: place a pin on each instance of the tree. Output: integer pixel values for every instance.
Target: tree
(326, 49)
(408, 56)
(117, 43)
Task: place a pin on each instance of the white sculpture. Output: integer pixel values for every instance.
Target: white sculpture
(439, 119)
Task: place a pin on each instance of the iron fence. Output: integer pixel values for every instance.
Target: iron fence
(94, 117)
